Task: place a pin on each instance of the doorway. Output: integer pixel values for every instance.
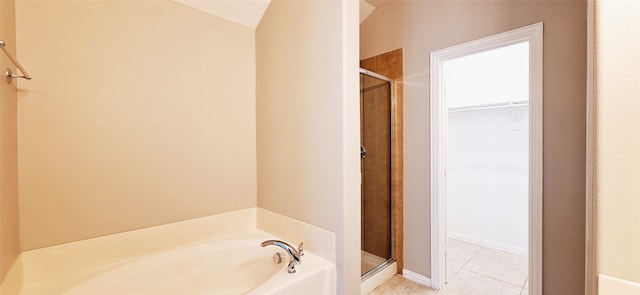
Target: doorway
(457, 136)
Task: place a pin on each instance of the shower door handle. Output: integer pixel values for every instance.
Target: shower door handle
(363, 152)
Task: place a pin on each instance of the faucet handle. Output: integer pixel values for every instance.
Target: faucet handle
(300, 249)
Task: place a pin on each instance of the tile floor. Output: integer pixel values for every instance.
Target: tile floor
(471, 270)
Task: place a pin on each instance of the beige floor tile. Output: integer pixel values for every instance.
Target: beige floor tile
(458, 254)
(500, 265)
(500, 270)
(502, 256)
(452, 270)
(459, 244)
(470, 283)
(471, 270)
(398, 285)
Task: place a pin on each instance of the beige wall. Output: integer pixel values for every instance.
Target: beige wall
(308, 122)
(617, 49)
(420, 27)
(139, 113)
(9, 229)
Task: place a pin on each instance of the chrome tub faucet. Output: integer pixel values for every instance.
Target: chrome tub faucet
(295, 255)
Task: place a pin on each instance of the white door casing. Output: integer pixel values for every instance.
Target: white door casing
(438, 132)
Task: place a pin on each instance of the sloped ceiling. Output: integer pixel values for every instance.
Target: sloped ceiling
(249, 12)
(365, 9)
(244, 12)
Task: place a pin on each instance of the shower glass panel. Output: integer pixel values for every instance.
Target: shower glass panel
(375, 139)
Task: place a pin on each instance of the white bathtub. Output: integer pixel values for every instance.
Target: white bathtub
(219, 267)
(217, 254)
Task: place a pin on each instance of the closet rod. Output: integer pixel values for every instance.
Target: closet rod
(8, 73)
(490, 106)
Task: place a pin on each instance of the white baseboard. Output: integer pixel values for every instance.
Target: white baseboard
(416, 277)
(608, 285)
(490, 244)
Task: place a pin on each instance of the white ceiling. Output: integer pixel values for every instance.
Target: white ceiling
(365, 9)
(249, 12)
(244, 12)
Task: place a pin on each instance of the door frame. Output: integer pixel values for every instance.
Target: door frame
(438, 144)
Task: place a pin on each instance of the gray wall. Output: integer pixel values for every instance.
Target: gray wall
(422, 27)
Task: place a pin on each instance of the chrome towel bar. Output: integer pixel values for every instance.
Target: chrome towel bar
(8, 72)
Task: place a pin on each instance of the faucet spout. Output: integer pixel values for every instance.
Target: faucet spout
(294, 254)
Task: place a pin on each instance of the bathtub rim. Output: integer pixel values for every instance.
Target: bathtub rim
(44, 265)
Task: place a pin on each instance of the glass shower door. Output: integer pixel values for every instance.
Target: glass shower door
(376, 204)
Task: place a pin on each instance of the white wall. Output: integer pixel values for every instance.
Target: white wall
(492, 76)
(487, 176)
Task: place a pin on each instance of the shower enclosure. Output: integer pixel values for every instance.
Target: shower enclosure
(376, 108)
